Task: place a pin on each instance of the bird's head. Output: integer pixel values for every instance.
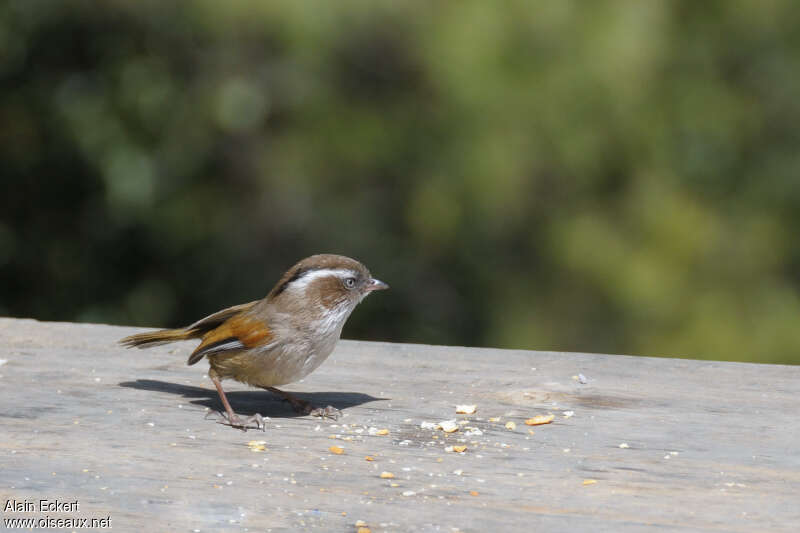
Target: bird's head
(325, 283)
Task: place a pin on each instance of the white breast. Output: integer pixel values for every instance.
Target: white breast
(292, 361)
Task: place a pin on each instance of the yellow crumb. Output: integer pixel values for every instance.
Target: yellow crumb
(540, 419)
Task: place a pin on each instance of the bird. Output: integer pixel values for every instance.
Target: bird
(279, 339)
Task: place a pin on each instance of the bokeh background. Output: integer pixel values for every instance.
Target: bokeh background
(611, 176)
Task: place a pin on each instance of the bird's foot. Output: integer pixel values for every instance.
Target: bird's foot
(307, 408)
(254, 422)
(325, 412)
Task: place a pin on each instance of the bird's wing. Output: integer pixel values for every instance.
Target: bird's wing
(240, 331)
(197, 330)
(213, 321)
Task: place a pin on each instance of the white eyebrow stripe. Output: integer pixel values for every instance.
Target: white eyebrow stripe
(303, 281)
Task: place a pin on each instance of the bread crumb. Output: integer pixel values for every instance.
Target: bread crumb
(539, 419)
(257, 445)
(448, 426)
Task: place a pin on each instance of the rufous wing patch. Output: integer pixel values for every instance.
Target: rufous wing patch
(236, 333)
(251, 332)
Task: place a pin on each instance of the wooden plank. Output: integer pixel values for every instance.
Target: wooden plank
(710, 446)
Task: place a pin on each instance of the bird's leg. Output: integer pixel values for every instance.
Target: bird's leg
(305, 407)
(300, 406)
(231, 419)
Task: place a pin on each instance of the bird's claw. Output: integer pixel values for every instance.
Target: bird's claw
(304, 407)
(254, 422)
(326, 412)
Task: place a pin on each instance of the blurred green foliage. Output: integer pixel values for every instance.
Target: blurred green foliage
(618, 176)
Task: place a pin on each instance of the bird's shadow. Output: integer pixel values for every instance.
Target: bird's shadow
(248, 403)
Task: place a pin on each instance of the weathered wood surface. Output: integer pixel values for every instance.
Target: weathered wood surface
(712, 446)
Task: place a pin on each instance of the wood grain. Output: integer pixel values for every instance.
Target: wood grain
(710, 446)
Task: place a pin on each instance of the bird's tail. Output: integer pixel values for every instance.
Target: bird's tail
(155, 338)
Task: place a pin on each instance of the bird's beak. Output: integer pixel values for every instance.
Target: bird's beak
(375, 285)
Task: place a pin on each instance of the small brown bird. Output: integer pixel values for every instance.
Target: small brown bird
(279, 339)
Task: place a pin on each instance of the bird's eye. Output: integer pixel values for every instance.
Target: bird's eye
(350, 283)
